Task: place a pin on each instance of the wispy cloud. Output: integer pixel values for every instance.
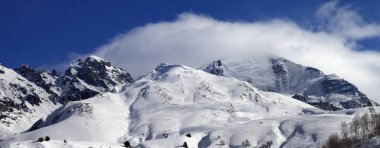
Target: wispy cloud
(194, 40)
(345, 22)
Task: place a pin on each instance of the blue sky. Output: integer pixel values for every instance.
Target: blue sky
(337, 37)
(42, 32)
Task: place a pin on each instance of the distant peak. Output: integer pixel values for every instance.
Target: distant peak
(332, 77)
(278, 60)
(91, 60)
(94, 57)
(24, 66)
(24, 69)
(164, 67)
(215, 68)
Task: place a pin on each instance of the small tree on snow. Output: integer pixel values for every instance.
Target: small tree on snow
(222, 142)
(246, 143)
(344, 130)
(127, 144)
(365, 126)
(185, 145)
(355, 127)
(268, 144)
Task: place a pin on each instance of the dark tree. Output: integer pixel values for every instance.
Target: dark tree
(127, 144)
(246, 143)
(185, 145)
(64, 141)
(47, 138)
(54, 72)
(40, 139)
(188, 135)
(268, 144)
(333, 142)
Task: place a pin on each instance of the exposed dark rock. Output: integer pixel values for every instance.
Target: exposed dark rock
(215, 68)
(92, 76)
(42, 79)
(82, 80)
(281, 74)
(338, 86)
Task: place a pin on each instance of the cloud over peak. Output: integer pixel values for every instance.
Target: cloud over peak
(195, 40)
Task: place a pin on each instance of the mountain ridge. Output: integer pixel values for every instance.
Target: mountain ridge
(174, 104)
(304, 83)
(27, 95)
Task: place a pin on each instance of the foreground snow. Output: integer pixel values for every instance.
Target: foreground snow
(62, 144)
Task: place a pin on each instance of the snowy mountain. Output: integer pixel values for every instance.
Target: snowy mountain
(176, 104)
(87, 78)
(43, 78)
(94, 104)
(307, 84)
(27, 95)
(83, 79)
(22, 103)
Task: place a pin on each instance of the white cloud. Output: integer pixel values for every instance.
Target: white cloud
(195, 40)
(345, 22)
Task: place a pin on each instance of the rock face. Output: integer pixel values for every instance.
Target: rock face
(21, 102)
(92, 76)
(215, 68)
(307, 84)
(27, 95)
(43, 78)
(83, 79)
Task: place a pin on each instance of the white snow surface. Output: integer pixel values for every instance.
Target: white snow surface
(158, 111)
(259, 71)
(12, 88)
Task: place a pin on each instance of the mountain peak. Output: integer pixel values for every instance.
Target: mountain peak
(164, 67)
(94, 58)
(307, 84)
(42, 78)
(86, 78)
(215, 68)
(93, 61)
(25, 69)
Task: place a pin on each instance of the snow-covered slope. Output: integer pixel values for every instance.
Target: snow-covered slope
(176, 99)
(21, 102)
(175, 104)
(102, 118)
(307, 84)
(160, 109)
